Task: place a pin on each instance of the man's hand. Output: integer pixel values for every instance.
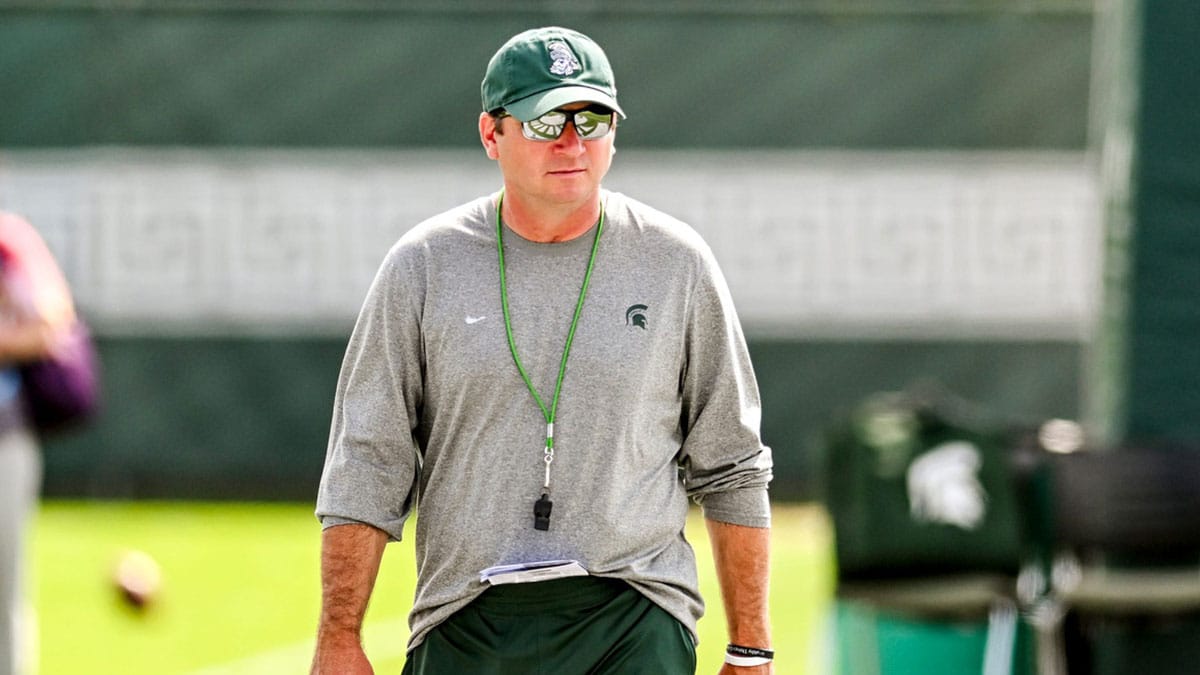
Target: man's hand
(30, 340)
(341, 660)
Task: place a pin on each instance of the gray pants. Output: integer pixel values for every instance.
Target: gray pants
(20, 484)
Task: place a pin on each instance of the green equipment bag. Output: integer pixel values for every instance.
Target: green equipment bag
(920, 487)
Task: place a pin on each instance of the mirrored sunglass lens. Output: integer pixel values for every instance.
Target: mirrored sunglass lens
(592, 124)
(546, 127)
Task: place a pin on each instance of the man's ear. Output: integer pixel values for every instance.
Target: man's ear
(487, 135)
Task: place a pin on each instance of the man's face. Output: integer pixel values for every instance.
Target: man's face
(567, 170)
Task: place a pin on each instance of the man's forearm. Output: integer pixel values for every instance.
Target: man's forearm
(350, 558)
(743, 564)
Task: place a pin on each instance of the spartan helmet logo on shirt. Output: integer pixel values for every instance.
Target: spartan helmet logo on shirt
(636, 316)
(944, 487)
(562, 61)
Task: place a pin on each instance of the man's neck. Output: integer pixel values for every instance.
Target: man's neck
(550, 223)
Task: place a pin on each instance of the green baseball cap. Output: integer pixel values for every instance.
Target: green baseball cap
(541, 69)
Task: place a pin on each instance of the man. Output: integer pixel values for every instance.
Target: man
(36, 310)
(547, 374)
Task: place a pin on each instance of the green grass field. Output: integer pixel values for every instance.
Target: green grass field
(240, 590)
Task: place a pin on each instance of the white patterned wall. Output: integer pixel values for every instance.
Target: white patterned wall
(924, 244)
(817, 244)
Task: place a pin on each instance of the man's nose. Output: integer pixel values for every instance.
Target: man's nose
(569, 139)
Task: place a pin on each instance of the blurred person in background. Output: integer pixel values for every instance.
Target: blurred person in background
(547, 374)
(36, 313)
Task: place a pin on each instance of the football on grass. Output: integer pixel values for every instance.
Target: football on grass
(137, 578)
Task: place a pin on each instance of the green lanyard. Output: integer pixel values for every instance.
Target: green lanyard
(542, 506)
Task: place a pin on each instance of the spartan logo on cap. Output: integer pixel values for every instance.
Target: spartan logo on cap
(562, 61)
(636, 316)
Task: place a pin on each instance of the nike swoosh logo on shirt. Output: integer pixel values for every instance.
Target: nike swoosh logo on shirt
(475, 319)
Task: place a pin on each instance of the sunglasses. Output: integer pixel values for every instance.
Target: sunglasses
(592, 122)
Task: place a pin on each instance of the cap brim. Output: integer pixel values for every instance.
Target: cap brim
(532, 107)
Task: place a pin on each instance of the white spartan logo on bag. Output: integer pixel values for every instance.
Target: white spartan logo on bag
(944, 487)
(563, 62)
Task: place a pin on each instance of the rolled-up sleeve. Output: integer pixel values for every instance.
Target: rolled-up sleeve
(373, 459)
(727, 468)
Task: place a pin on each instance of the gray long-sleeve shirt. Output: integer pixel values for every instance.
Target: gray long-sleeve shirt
(658, 403)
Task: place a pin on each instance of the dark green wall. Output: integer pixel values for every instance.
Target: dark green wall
(735, 75)
(216, 417)
(248, 418)
(1163, 396)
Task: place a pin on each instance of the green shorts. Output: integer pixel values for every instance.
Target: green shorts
(575, 626)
